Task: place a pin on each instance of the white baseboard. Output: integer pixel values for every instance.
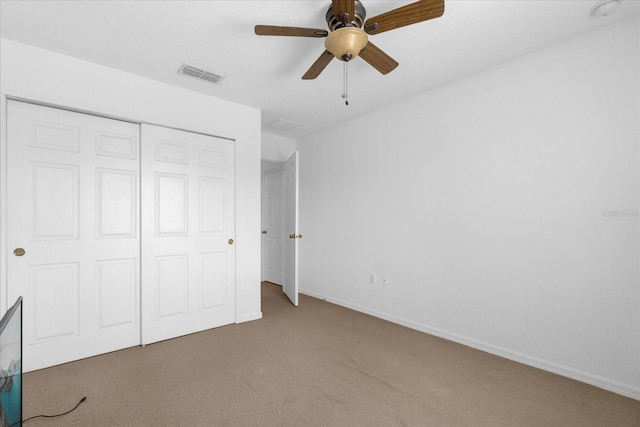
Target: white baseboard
(585, 377)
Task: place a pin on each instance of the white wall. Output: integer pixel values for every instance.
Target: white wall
(485, 202)
(45, 76)
(277, 148)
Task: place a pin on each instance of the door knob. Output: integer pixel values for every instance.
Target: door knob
(264, 231)
(18, 252)
(295, 236)
(230, 241)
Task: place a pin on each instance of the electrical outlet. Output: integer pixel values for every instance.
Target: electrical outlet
(385, 280)
(372, 278)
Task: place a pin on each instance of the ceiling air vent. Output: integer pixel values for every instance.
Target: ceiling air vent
(198, 73)
(282, 124)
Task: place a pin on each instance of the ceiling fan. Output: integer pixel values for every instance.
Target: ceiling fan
(348, 32)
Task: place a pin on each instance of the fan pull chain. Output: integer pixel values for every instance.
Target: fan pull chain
(345, 92)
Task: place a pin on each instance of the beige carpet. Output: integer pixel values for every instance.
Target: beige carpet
(315, 365)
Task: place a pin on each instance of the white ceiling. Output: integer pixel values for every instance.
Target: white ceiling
(154, 38)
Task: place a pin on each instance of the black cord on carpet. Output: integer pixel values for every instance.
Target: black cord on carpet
(51, 416)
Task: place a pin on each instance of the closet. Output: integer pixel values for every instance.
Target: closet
(118, 233)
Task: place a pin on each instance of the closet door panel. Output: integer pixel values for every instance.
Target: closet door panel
(73, 221)
(188, 248)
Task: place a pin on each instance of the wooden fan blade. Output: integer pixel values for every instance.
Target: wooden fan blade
(272, 30)
(344, 6)
(406, 15)
(317, 67)
(378, 59)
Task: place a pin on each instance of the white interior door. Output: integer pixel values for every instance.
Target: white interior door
(72, 232)
(290, 286)
(188, 228)
(273, 229)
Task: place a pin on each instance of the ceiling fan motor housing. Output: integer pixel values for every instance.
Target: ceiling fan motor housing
(358, 19)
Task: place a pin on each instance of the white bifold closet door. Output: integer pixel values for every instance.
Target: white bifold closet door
(188, 232)
(73, 240)
(112, 242)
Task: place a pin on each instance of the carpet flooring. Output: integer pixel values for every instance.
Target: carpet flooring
(315, 365)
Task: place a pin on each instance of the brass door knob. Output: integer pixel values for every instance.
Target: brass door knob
(264, 231)
(230, 241)
(18, 252)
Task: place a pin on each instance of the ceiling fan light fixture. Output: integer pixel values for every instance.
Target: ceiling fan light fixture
(346, 43)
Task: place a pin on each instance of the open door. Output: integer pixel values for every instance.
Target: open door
(290, 286)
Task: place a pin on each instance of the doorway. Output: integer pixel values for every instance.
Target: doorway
(273, 228)
(280, 228)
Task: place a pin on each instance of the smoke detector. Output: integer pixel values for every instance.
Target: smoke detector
(199, 73)
(605, 8)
